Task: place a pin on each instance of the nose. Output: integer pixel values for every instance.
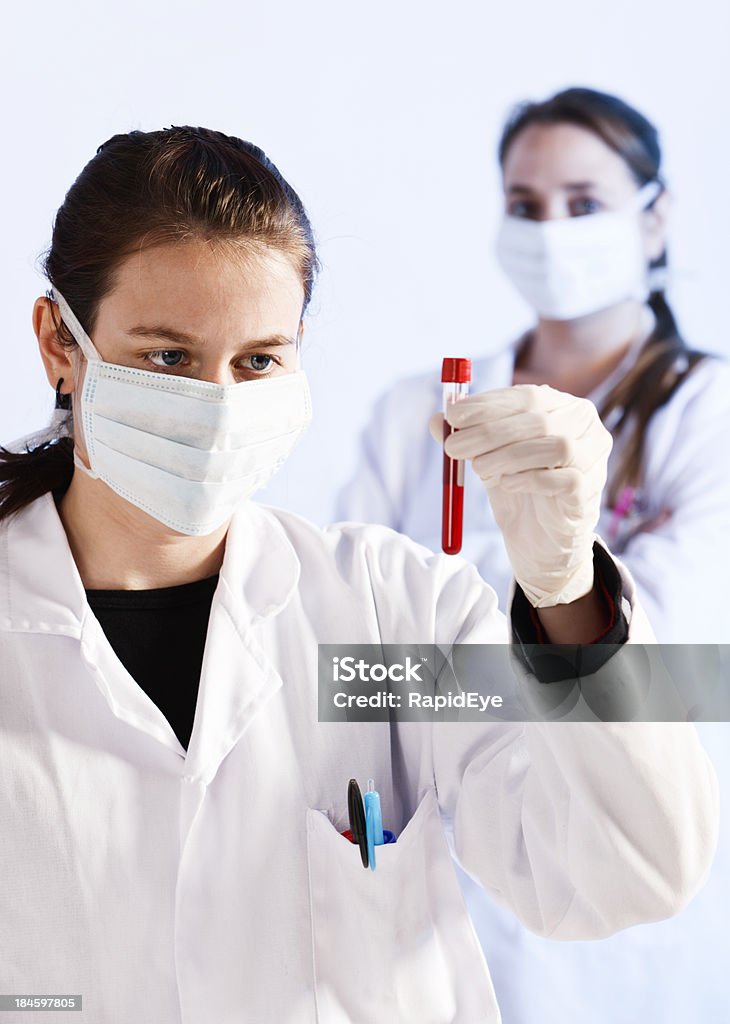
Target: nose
(555, 207)
(215, 372)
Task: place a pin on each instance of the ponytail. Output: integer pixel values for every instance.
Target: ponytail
(663, 364)
(25, 476)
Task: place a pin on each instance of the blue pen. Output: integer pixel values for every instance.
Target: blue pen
(373, 821)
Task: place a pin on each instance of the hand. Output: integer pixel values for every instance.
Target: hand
(542, 456)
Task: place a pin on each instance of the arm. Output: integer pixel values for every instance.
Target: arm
(580, 828)
(580, 622)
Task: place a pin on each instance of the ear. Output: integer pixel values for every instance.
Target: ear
(57, 358)
(654, 227)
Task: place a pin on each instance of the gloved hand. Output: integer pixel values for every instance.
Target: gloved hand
(542, 456)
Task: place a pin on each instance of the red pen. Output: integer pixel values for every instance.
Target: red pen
(455, 379)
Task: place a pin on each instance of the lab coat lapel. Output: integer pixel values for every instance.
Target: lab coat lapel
(259, 574)
(125, 696)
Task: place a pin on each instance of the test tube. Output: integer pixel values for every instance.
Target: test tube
(455, 379)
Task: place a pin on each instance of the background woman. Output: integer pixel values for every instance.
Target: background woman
(584, 241)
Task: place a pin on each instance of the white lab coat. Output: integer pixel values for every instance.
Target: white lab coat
(213, 886)
(681, 569)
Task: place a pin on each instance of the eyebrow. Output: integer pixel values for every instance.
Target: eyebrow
(571, 186)
(182, 338)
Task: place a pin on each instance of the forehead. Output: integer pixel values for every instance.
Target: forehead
(549, 156)
(205, 289)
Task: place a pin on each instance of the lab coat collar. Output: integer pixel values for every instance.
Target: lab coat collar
(44, 592)
(260, 570)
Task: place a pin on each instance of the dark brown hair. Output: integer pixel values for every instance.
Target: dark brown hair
(665, 359)
(144, 189)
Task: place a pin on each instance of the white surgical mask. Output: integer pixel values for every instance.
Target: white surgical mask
(185, 451)
(574, 266)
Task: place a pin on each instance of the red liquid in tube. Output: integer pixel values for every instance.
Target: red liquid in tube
(455, 378)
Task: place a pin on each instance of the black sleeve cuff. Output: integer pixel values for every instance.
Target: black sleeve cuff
(552, 663)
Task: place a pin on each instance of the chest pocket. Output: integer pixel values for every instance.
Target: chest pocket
(395, 944)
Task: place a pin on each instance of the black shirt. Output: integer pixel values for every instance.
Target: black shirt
(159, 637)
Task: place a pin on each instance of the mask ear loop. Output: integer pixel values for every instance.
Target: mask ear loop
(80, 336)
(86, 345)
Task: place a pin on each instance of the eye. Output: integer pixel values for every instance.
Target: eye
(166, 357)
(260, 362)
(526, 208)
(583, 206)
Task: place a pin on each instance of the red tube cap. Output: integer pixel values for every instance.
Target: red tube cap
(456, 371)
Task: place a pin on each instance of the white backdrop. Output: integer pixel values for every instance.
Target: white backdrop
(385, 117)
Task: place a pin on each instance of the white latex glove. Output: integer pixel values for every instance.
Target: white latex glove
(542, 456)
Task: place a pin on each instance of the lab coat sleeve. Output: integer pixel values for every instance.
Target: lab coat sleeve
(581, 828)
(682, 568)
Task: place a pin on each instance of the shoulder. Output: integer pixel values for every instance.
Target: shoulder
(709, 381)
(422, 392)
(346, 544)
(701, 402)
(373, 555)
(687, 436)
(356, 573)
(495, 370)
(416, 396)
